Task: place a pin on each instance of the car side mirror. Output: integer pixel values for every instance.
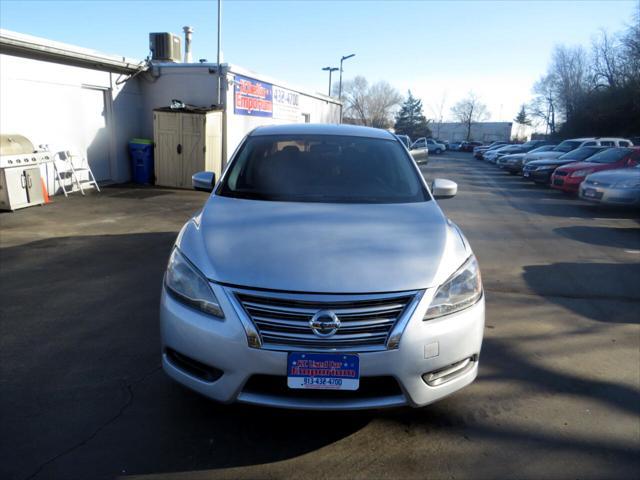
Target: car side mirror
(443, 188)
(203, 181)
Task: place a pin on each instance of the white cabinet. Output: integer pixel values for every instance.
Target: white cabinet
(186, 142)
(20, 187)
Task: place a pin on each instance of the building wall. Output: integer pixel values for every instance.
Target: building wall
(192, 84)
(483, 131)
(293, 107)
(196, 84)
(71, 108)
(97, 112)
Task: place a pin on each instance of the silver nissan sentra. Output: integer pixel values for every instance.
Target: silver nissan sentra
(322, 274)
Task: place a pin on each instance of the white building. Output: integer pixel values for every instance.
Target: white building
(70, 97)
(481, 131)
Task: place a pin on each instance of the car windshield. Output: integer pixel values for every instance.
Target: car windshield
(581, 153)
(567, 146)
(323, 168)
(611, 155)
(544, 148)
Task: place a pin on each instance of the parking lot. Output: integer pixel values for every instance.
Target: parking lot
(558, 393)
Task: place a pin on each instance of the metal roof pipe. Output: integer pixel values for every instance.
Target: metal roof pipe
(187, 43)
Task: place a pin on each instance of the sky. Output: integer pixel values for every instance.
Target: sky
(440, 50)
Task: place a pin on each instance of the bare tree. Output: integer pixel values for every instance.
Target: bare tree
(568, 76)
(354, 96)
(606, 61)
(383, 103)
(370, 105)
(438, 112)
(543, 106)
(469, 111)
(630, 44)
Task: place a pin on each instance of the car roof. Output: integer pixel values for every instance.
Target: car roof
(585, 139)
(322, 129)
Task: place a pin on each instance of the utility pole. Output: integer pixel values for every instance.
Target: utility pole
(219, 48)
(346, 57)
(330, 70)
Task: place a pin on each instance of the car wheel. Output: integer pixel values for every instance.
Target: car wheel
(438, 151)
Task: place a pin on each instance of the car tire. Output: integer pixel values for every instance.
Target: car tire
(437, 151)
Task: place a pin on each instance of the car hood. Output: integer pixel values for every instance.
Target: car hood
(544, 155)
(573, 166)
(551, 161)
(319, 247)
(616, 175)
(514, 156)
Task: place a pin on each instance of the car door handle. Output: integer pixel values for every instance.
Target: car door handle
(179, 149)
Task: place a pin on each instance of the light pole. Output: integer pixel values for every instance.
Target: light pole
(330, 70)
(346, 57)
(218, 52)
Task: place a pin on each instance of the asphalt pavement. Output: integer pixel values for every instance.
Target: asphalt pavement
(558, 395)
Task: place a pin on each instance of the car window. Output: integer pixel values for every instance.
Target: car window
(323, 168)
(624, 143)
(567, 146)
(590, 144)
(581, 153)
(608, 143)
(544, 148)
(610, 155)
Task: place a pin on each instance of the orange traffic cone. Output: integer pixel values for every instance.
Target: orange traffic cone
(44, 191)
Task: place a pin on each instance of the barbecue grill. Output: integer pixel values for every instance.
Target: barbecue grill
(20, 182)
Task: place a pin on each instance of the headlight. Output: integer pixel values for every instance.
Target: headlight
(630, 183)
(581, 173)
(189, 286)
(461, 290)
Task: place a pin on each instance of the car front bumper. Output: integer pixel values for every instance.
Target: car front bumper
(610, 195)
(425, 346)
(567, 183)
(538, 176)
(512, 167)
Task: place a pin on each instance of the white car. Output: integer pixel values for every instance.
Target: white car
(430, 144)
(321, 273)
(571, 144)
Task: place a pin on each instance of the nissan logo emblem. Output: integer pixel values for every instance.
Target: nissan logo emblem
(324, 323)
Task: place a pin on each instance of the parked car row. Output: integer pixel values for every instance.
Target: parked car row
(598, 169)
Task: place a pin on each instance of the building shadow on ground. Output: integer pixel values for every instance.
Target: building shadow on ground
(616, 237)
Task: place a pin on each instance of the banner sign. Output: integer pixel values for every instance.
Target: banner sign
(252, 97)
(286, 105)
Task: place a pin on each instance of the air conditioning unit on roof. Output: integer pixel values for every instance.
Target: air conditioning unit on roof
(165, 47)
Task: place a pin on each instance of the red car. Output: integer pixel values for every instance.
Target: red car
(569, 177)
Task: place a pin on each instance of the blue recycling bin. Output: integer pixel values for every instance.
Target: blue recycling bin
(141, 153)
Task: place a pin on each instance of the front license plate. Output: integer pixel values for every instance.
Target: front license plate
(589, 192)
(323, 371)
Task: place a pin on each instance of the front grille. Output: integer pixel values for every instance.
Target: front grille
(558, 181)
(282, 320)
(596, 183)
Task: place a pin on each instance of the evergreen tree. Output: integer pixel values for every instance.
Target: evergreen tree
(410, 119)
(523, 121)
(522, 117)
